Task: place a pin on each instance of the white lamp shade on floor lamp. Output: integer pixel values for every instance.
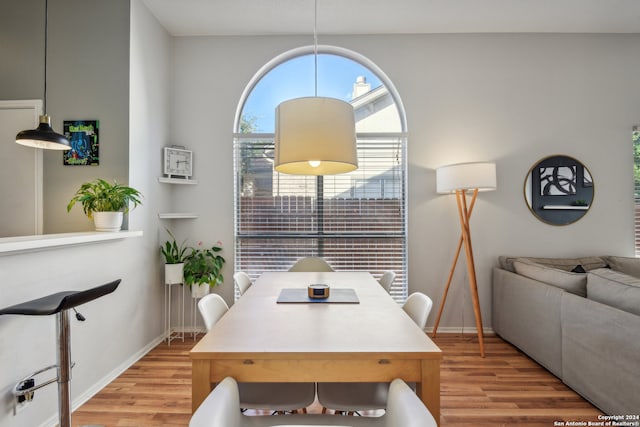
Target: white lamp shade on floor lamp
(466, 176)
(315, 136)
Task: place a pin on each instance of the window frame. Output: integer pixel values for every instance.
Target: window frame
(400, 290)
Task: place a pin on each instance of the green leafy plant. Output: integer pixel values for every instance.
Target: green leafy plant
(204, 265)
(102, 196)
(173, 252)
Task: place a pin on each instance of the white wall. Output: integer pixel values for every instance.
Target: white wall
(512, 99)
(149, 124)
(118, 329)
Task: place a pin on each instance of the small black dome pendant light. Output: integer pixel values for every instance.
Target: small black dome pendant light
(44, 136)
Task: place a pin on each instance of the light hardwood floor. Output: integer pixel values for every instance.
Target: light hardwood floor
(503, 389)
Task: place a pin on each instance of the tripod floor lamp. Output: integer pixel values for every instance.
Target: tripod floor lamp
(461, 179)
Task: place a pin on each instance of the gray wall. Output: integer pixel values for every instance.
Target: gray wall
(88, 78)
(508, 98)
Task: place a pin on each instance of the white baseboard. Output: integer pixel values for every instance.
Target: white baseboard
(458, 330)
(103, 382)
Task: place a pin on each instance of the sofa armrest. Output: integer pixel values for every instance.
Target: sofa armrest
(601, 348)
(526, 313)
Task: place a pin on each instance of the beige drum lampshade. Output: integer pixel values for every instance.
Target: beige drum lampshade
(315, 136)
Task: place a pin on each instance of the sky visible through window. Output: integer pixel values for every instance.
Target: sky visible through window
(295, 79)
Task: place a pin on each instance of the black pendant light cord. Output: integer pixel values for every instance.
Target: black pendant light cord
(44, 136)
(46, 33)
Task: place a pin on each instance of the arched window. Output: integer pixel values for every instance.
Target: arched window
(356, 221)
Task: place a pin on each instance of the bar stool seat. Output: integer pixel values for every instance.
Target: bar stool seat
(55, 303)
(59, 304)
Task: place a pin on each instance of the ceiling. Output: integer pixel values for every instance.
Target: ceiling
(282, 17)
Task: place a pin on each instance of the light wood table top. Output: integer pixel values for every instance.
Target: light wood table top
(264, 341)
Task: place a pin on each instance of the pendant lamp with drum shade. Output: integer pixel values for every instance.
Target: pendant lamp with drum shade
(315, 135)
(44, 136)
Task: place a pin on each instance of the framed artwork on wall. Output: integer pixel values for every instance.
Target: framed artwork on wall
(557, 180)
(83, 136)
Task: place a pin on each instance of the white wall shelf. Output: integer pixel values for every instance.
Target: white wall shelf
(177, 215)
(166, 180)
(565, 207)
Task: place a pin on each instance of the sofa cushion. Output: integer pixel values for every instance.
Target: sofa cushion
(571, 282)
(626, 265)
(566, 264)
(614, 289)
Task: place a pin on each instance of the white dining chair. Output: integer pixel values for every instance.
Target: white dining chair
(418, 306)
(221, 408)
(242, 281)
(387, 279)
(282, 397)
(354, 397)
(211, 308)
(311, 263)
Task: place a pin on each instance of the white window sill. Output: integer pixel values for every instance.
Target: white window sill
(14, 245)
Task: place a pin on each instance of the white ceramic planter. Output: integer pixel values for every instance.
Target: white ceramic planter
(108, 221)
(199, 290)
(173, 273)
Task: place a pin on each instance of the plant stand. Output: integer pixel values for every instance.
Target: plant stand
(196, 294)
(194, 316)
(170, 336)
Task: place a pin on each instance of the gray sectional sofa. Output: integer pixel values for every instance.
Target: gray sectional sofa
(579, 318)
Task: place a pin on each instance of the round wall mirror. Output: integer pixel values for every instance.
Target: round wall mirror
(558, 190)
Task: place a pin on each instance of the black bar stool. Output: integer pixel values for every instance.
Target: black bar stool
(59, 304)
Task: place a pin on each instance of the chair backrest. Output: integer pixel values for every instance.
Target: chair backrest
(243, 281)
(387, 279)
(405, 409)
(221, 408)
(311, 263)
(212, 307)
(418, 306)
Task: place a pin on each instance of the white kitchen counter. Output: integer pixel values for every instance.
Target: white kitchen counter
(13, 245)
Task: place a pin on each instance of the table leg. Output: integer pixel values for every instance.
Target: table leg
(429, 388)
(200, 382)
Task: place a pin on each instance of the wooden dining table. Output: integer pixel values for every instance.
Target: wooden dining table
(262, 340)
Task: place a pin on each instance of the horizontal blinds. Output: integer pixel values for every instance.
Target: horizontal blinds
(255, 255)
(356, 221)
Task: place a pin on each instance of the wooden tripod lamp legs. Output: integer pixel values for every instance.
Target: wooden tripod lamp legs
(464, 213)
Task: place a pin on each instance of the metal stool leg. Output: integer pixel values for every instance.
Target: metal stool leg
(64, 368)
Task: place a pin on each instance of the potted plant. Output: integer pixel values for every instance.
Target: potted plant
(203, 269)
(174, 257)
(105, 203)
